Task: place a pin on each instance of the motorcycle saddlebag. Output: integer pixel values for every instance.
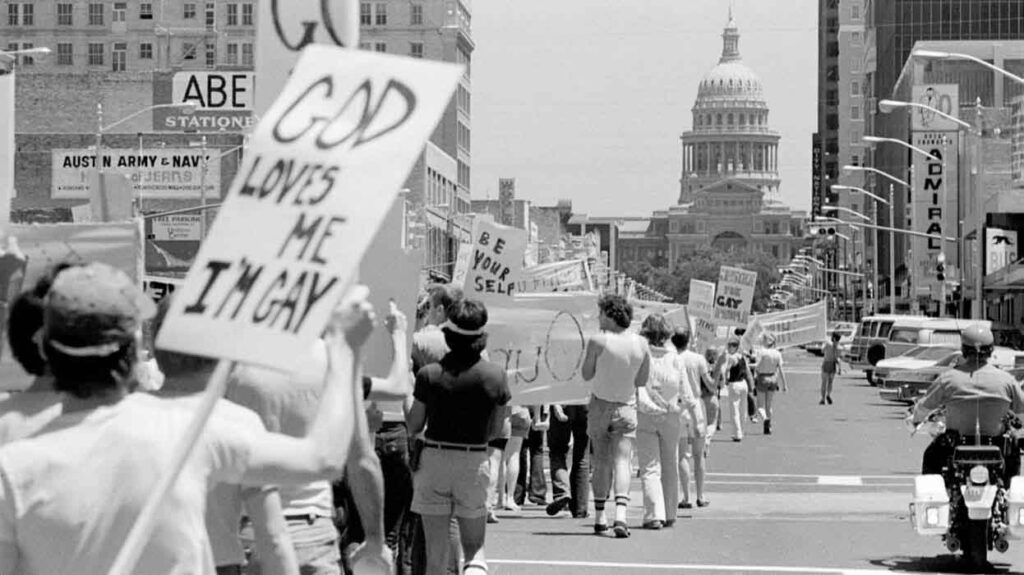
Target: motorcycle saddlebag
(929, 513)
(1015, 508)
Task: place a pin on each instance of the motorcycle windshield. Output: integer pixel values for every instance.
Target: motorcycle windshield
(968, 416)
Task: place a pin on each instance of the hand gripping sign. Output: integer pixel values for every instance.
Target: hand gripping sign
(325, 166)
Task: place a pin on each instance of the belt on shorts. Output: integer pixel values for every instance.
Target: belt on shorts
(309, 518)
(454, 446)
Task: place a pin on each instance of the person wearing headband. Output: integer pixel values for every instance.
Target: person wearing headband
(461, 402)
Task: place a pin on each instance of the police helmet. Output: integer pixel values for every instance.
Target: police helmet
(977, 337)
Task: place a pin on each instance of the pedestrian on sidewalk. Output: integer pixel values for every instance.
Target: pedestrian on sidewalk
(769, 375)
(738, 382)
(569, 487)
(617, 363)
(829, 368)
(693, 443)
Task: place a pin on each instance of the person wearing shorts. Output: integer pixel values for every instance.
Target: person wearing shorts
(829, 368)
(461, 402)
(769, 376)
(693, 444)
(616, 363)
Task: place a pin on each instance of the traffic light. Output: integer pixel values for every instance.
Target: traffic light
(940, 272)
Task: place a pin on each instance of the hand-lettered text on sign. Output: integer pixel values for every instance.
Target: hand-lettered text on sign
(325, 165)
(496, 263)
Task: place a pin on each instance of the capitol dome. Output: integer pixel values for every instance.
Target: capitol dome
(731, 78)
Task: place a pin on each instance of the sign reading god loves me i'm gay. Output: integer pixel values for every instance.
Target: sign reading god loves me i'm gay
(326, 164)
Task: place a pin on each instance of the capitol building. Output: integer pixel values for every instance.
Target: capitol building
(729, 180)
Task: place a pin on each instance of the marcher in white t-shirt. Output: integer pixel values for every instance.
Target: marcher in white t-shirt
(70, 495)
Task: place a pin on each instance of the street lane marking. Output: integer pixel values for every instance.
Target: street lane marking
(689, 567)
(908, 478)
(847, 480)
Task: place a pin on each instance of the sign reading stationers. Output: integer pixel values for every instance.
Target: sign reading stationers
(223, 101)
(325, 166)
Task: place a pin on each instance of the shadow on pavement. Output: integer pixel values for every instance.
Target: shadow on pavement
(939, 564)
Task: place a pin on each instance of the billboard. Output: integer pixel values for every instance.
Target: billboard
(178, 227)
(942, 97)
(1000, 249)
(224, 101)
(169, 173)
(933, 206)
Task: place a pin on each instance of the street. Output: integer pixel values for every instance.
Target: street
(828, 492)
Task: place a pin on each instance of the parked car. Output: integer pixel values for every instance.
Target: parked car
(846, 331)
(918, 357)
(907, 384)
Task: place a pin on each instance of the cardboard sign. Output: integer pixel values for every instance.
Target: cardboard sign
(284, 29)
(944, 97)
(701, 309)
(496, 261)
(735, 296)
(540, 340)
(462, 264)
(172, 173)
(324, 168)
(557, 276)
(789, 328)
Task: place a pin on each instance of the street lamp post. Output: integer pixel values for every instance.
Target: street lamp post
(892, 222)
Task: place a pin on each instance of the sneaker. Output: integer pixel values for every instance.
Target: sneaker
(737, 439)
(685, 505)
(537, 501)
(621, 530)
(654, 525)
(703, 502)
(670, 523)
(822, 402)
(556, 506)
(492, 518)
(510, 506)
(829, 399)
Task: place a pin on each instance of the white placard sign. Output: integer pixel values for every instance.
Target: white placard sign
(325, 165)
(496, 260)
(735, 296)
(180, 227)
(701, 308)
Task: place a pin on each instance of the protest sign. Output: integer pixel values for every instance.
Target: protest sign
(540, 340)
(324, 167)
(45, 245)
(168, 173)
(496, 263)
(569, 275)
(462, 263)
(735, 296)
(701, 307)
(285, 28)
(789, 328)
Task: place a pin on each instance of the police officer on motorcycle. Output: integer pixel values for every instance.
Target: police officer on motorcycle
(976, 396)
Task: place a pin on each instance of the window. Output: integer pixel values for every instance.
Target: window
(247, 54)
(190, 11)
(855, 38)
(95, 53)
(12, 15)
(188, 51)
(96, 15)
(211, 15)
(145, 51)
(27, 60)
(382, 14)
(365, 14)
(854, 112)
(28, 14)
(211, 55)
(854, 63)
(64, 54)
(64, 14)
(380, 47)
(416, 49)
(119, 57)
(855, 160)
(855, 11)
(463, 174)
(146, 11)
(462, 136)
(416, 15)
(120, 12)
(247, 12)
(232, 56)
(232, 15)
(855, 88)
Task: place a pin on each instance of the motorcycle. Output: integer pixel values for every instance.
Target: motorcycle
(976, 503)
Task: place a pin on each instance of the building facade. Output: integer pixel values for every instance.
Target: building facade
(893, 27)
(730, 177)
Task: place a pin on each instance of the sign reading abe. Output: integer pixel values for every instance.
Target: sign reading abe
(325, 166)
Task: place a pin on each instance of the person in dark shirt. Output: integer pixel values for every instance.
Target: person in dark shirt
(461, 401)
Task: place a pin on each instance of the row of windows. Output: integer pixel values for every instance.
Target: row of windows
(238, 14)
(376, 14)
(462, 137)
(440, 190)
(415, 48)
(237, 53)
(742, 119)
(463, 99)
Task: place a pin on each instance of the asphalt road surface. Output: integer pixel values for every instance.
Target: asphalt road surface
(827, 492)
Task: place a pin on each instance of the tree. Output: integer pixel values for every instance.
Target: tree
(705, 264)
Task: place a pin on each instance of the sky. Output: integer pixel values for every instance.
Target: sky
(586, 99)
